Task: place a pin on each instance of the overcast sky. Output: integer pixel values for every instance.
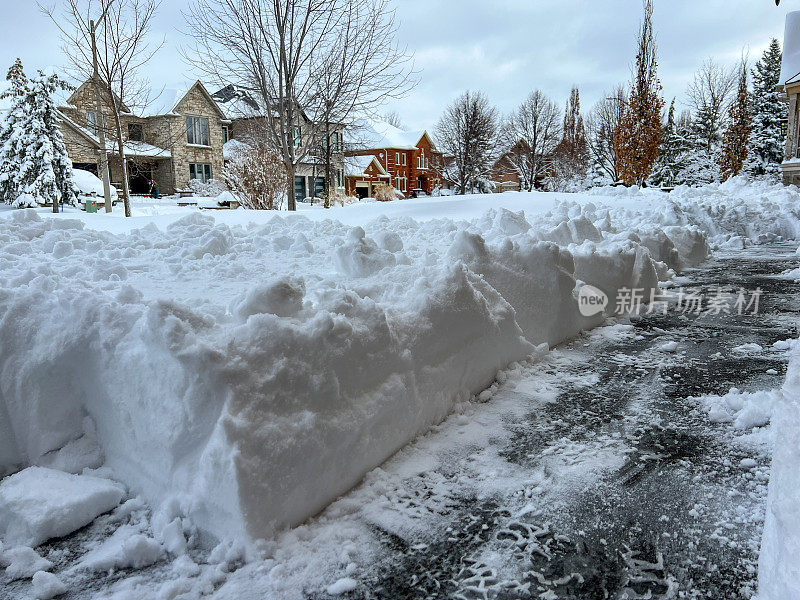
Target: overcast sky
(505, 48)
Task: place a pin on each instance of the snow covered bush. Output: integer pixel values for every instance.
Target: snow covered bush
(208, 189)
(34, 167)
(257, 178)
(384, 193)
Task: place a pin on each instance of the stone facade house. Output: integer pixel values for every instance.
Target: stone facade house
(179, 138)
(409, 158)
(250, 123)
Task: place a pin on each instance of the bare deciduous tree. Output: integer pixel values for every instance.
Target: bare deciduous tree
(602, 124)
(123, 49)
(467, 132)
(393, 118)
(709, 94)
(311, 64)
(529, 135)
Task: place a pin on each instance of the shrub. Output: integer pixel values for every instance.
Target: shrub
(384, 193)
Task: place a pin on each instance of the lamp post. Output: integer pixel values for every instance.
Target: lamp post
(100, 120)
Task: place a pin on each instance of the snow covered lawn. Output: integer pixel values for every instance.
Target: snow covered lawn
(241, 370)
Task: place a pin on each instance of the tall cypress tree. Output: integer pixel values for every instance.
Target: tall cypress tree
(767, 140)
(737, 134)
(639, 134)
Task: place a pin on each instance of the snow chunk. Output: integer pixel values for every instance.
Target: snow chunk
(750, 347)
(342, 586)
(126, 548)
(37, 504)
(283, 298)
(360, 256)
(47, 586)
(670, 347)
(22, 562)
(745, 410)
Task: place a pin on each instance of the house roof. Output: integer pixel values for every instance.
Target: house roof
(356, 166)
(790, 66)
(132, 148)
(236, 102)
(169, 99)
(370, 134)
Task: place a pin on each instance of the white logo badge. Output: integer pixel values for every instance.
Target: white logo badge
(591, 301)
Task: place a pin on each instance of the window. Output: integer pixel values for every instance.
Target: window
(421, 160)
(197, 131)
(200, 171)
(403, 156)
(397, 158)
(91, 121)
(335, 141)
(135, 132)
(225, 134)
(297, 134)
(399, 183)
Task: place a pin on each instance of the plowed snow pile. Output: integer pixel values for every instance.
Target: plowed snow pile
(246, 375)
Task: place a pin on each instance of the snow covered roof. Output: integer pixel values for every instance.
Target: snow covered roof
(379, 134)
(357, 165)
(132, 148)
(167, 101)
(236, 102)
(790, 67)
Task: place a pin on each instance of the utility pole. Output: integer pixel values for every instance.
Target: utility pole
(100, 119)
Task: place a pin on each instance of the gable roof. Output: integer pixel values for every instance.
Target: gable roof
(83, 86)
(369, 134)
(355, 166)
(169, 99)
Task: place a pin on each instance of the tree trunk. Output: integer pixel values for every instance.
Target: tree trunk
(290, 203)
(126, 192)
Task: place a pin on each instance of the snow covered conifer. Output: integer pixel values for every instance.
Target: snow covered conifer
(9, 158)
(34, 166)
(737, 134)
(766, 140)
(672, 154)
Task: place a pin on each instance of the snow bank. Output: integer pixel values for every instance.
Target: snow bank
(779, 567)
(37, 504)
(246, 375)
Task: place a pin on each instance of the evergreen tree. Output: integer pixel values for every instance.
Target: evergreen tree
(11, 127)
(34, 166)
(766, 140)
(672, 154)
(737, 134)
(639, 134)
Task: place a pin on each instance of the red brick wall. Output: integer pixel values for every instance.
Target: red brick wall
(409, 170)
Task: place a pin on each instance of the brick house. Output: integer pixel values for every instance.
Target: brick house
(248, 121)
(409, 158)
(179, 138)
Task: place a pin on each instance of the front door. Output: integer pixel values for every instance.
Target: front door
(299, 188)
